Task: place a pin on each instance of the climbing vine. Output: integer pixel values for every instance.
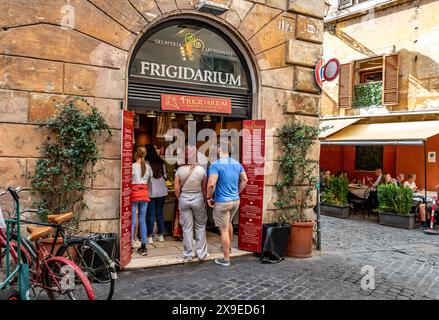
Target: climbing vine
(298, 173)
(68, 157)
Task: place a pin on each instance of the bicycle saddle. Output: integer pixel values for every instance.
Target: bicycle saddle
(60, 218)
(38, 232)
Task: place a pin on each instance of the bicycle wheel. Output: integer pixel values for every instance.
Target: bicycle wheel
(9, 294)
(28, 251)
(13, 259)
(64, 280)
(95, 263)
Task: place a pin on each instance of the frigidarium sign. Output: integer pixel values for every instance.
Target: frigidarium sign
(188, 53)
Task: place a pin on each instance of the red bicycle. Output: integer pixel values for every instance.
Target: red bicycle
(59, 277)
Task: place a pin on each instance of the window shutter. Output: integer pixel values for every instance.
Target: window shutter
(345, 85)
(391, 80)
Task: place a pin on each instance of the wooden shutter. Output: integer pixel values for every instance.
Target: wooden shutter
(345, 85)
(391, 79)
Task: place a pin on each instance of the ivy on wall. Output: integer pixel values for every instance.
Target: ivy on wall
(68, 157)
(368, 94)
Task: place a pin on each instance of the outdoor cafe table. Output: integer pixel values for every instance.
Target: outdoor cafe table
(359, 190)
(419, 197)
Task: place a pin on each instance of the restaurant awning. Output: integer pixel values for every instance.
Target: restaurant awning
(334, 125)
(394, 133)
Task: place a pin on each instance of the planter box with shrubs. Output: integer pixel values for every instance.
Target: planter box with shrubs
(334, 198)
(395, 205)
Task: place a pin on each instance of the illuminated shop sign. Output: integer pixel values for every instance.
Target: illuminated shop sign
(189, 54)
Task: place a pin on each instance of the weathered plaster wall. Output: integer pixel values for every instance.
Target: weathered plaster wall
(412, 29)
(43, 61)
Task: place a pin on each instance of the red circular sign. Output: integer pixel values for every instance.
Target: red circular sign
(331, 69)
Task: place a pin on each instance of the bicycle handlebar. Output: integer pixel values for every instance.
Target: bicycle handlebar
(14, 194)
(17, 190)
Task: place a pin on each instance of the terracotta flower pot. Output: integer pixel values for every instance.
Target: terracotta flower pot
(300, 241)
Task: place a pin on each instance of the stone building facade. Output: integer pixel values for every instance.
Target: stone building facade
(389, 74)
(368, 29)
(52, 49)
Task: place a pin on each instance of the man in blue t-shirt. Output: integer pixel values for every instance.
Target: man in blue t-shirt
(227, 179)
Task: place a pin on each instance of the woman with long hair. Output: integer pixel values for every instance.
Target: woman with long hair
(190, 189)
(139, 198)
(158, 192)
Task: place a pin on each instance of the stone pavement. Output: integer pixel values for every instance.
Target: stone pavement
(405, 262)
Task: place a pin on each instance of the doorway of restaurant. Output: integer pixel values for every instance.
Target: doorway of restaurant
(185, 71)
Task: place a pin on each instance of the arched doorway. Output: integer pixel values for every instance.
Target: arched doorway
(182, 69)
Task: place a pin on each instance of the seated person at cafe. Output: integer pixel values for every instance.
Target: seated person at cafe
(425, 211)
(387, 179)
(399, 179)
(411, 182)
(373, 196)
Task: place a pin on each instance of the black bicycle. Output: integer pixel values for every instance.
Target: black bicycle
(83, 250)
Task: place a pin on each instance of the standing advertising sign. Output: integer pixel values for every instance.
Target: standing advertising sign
(250, 212)
(125, 203)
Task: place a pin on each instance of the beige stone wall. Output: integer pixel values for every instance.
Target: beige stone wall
(49, 50)
(410, 28)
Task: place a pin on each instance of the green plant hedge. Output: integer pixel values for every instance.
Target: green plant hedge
(395, 199)
(368, 94)
(336, 191)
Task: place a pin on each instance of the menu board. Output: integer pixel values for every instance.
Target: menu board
(125, 202)
(253, 161)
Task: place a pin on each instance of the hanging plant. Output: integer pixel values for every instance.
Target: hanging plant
(68, 158)
(368, 95)
(298, 181)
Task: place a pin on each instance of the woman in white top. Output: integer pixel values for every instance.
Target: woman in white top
(158, 192)
(190, 188)
(139, 198)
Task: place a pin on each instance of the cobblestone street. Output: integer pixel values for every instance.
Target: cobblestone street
(406, 265)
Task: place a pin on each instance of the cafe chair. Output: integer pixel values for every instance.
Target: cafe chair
(361, 204)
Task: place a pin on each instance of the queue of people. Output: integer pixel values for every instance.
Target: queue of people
(218, 187)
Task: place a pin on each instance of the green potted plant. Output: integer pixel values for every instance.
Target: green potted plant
(395, 205)
(296, 186)
(68, 157)
(334, 197)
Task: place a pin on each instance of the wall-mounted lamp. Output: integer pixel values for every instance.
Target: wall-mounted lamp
(151, 114)
(189, 117)
(212, 7)
(207, 118)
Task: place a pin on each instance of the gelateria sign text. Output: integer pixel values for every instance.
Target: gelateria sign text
(187, 74)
